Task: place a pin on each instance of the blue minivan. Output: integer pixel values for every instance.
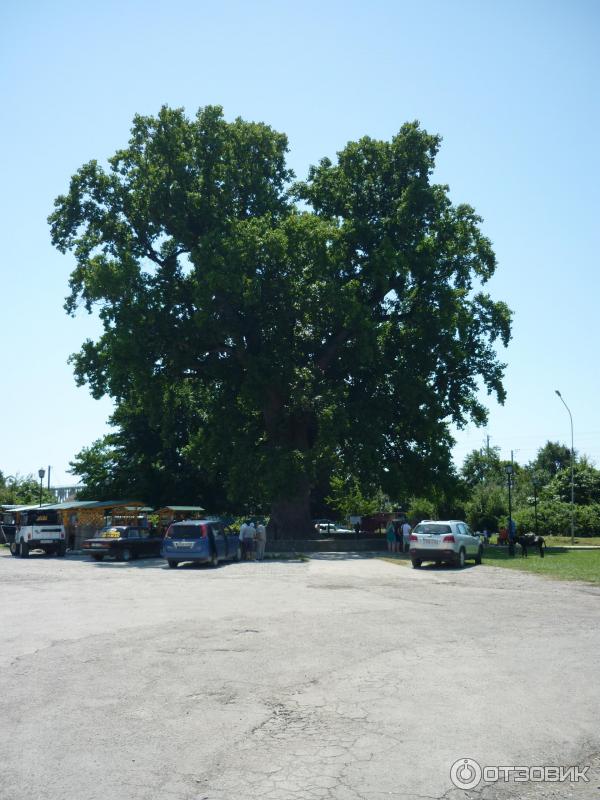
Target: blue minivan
(202, 540)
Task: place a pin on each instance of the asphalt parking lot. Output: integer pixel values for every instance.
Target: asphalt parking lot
(344, 678)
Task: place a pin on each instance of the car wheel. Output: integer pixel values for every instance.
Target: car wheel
(62, 550)
(214, 560)
(126, 554)
(172, 563)
(98, 557)
(14, 549)
(460, 558)
(24, 550)
(416, 562)
(479, 556)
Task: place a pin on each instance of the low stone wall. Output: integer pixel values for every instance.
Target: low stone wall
(342, 543)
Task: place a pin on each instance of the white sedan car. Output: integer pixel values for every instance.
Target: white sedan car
(449, 541)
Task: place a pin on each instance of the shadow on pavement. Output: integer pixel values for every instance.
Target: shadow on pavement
(351, 555)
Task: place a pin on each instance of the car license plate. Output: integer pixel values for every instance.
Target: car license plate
(46, 541)
(97, 544)
(184, 544)
(431, 542)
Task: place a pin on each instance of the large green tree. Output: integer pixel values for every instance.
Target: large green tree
(481, 466)
(550, 459)
(336, 325)
(586, 483)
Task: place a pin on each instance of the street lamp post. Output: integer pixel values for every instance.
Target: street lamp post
(572, 469)
(509, 469)
(41, 473)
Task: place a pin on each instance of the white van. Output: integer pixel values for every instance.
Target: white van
(38, 528)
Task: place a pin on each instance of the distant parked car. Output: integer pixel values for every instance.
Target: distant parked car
(123, 542)
(325, 526)
(201, 540)
(449, 541)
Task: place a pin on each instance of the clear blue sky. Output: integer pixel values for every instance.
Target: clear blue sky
(511, 86)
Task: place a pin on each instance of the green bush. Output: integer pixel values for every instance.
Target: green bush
(421, 508)
(488, 504)
(554, 519)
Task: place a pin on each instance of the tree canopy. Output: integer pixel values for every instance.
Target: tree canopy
(550, 459)
(268, 332)
(586, 483)
(22, 490)
(483, 465)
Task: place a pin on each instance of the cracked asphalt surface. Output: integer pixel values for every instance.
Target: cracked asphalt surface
(342, 678)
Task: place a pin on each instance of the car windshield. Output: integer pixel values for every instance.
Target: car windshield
(432, 527)
(185, 532)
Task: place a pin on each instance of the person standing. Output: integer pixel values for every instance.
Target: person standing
(261, 541)
(406, 529)
(390, 537)
(249, 540)
(243, 528)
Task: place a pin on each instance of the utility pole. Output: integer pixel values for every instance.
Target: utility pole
(49, 468)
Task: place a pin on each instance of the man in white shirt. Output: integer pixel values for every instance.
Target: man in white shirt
(406, 529)
(261, 541)
(249, 540)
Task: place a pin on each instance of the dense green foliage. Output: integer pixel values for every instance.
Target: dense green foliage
(551, 458)
(547, 478)
(348, 498)
(422, 508)
(22, 490)
(262, 336)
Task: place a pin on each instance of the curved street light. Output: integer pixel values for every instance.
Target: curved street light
(572, 466)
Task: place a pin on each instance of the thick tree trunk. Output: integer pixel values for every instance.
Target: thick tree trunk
(290, 513)
(290, 517)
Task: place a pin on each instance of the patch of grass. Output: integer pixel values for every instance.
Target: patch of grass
(564, 565)
(565, 541)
